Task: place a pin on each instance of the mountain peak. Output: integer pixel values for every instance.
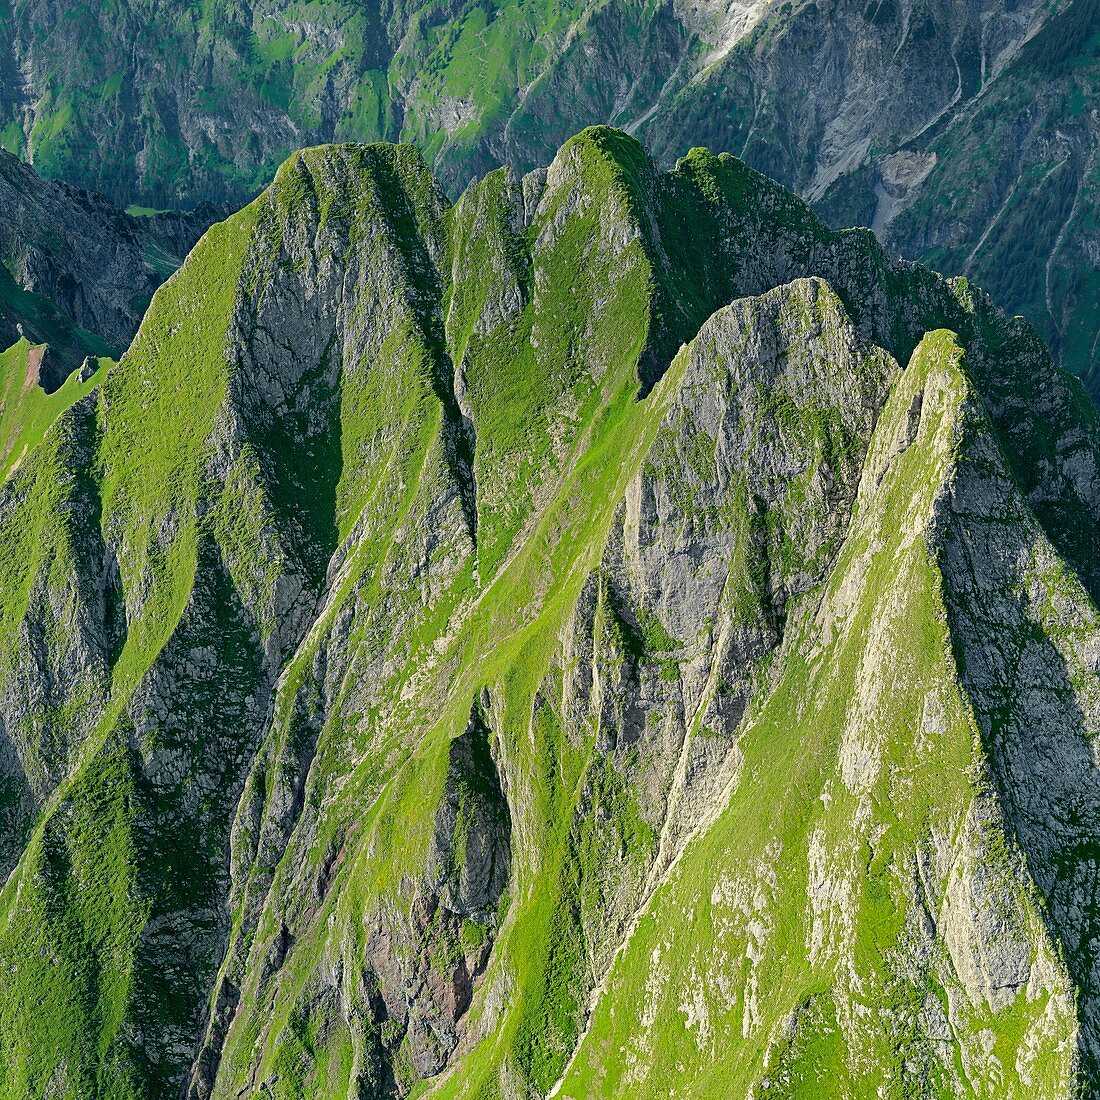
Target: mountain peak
(594, 637)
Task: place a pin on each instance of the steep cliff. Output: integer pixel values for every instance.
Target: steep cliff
(965, 134)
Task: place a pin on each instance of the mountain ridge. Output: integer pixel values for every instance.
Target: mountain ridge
(76, 273)
(966, 135)
(474, 566)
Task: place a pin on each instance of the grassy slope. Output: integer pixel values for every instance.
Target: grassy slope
(26, 410)
(781, 957)
(84, 885)
(200, 546)
(542, 953)
(44, 323)
(511, 630)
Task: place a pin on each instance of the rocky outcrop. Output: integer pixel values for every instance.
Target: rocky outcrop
(965, 136)
(865, 865)
(77, 273)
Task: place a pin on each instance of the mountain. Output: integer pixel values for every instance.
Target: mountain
(76, 273)
(966, 134)
(609, 636)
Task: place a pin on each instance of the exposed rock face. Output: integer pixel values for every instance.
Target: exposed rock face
(966, 134)
(468, 862)
(77, 273)
(598, 638)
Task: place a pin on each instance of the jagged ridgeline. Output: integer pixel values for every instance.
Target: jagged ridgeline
(612, 636)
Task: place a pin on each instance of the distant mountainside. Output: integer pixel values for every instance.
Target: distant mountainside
(611, 636)
(967, 134)
(76, 273)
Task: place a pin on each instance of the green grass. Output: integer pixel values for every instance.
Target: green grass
(746, 962)
(26, 409)
(44, 323)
